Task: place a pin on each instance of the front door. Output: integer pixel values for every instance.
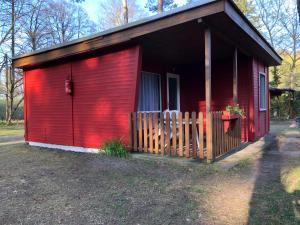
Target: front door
(173, 92)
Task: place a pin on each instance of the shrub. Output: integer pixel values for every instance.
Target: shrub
(115, 148)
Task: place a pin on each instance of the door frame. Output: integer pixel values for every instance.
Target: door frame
(177, 77)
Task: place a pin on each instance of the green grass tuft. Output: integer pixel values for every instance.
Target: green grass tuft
(115, 148)
(15, 129)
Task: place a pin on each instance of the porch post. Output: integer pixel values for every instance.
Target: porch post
(235, 76)
(208, 70)
(209, 124)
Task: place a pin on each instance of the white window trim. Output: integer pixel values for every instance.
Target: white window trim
(262, 109)
(172, 75)
(160, 97)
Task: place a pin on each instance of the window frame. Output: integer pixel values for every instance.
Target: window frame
(262, 109)
(160, 97)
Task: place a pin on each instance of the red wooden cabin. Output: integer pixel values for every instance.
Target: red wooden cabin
(200, 57)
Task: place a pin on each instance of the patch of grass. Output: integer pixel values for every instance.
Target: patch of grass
(115, 148)
(17, 128)
(196, 189)
(291, 179)
(242, 164)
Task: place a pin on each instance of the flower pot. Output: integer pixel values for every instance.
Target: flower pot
(229, 119)
(229, 116)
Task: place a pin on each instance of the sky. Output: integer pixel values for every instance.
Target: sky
(91, 6)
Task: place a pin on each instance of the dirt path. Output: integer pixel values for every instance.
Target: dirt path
(257, 190)
(6, 139)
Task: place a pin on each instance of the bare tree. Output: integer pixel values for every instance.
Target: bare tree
(34, 27)
(112, 13)
(161, 5)
(60, 21)
(67, 21)
(82, 24)
(12, 89)
(291, 26)
(5, 25)
(269, 12)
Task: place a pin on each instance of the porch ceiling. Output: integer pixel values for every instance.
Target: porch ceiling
(183, 44)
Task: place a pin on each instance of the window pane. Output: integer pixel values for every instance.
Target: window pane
(262, 91)
(172, 93)
(149, 94)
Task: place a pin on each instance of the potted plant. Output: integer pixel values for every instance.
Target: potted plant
(232, 113)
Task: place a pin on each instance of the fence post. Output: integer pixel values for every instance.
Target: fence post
(140, 126)
(167, 138)
(209, 138)
(201, 138)
(187, 134)
(194, 135)
(134, 132)
(162, 134)
(129, 132)
(145, 133)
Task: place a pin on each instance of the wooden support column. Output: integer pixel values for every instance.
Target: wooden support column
(235, 76)
(208, 70)
(210, 150)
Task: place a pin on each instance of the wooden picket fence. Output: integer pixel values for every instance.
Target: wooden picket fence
(167, 134)
(224, 141)
(183, 135)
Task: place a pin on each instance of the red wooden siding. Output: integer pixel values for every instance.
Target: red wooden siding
(244, 94)
(48, 108)
(261, 118)
(104, 94)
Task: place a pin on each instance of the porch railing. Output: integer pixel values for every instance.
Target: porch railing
(224, 140)
(182, 135)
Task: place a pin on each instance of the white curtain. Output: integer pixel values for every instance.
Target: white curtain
(149, 94)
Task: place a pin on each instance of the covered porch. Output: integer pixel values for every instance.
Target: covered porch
(189, 74)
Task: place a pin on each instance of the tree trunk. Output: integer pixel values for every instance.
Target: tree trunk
(276, 76)
(11, 74)
(6, 89)
(298, 4)
(160, 7)
(125, 11)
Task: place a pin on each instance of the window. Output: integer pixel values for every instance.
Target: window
(173, 92)
(149, 94)
(262, 91)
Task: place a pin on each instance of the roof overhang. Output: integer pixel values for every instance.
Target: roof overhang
(133, 31)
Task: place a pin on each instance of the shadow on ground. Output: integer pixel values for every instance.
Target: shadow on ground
(271, 203)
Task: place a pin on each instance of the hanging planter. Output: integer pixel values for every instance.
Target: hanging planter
(227, 116)
(229, 119)
(231, 115)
